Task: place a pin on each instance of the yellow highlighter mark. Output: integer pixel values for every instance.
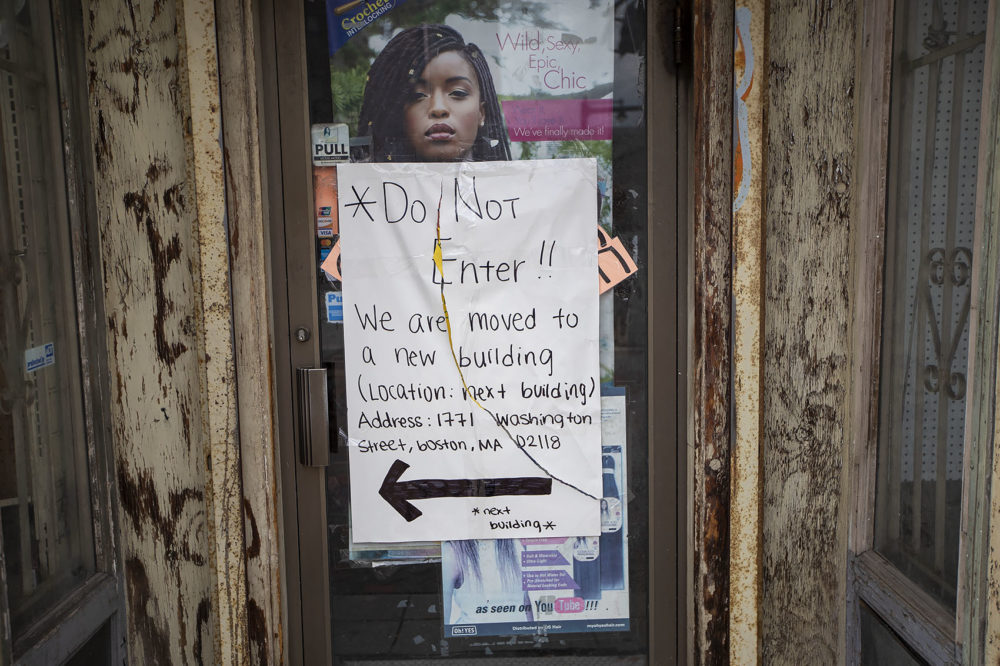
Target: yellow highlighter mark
(439, 263)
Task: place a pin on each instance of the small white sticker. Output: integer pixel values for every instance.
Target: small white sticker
(40, 357)
(330, 144)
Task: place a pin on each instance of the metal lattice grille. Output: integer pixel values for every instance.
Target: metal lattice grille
(937, 92)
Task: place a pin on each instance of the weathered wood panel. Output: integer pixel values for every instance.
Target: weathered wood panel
(867, 243)
(711, 357)
(150, 258)
(981, 607)
(238, 69)
(867, 247)
(164, 250)
(224, 492)
(810, 161)
(916, 617)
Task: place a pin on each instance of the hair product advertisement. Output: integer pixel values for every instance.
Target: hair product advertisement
(499, 587)
(541, 76)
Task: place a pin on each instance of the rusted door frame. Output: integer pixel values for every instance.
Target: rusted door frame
(711, 312)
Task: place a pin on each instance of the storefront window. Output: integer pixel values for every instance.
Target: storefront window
(480, 84)
(45, 509)
(936, 106)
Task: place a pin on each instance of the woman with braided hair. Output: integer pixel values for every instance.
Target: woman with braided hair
(430, 98)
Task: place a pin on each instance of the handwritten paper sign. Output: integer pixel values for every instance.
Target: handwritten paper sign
(471, 333)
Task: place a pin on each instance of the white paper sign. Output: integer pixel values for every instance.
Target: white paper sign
(484, 423)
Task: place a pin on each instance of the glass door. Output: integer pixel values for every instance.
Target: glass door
(469, 437)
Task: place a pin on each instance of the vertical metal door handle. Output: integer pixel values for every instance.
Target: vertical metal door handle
(314, 424)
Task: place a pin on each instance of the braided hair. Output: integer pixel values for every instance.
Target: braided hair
(392, 77)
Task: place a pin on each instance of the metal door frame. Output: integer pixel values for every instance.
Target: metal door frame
(284, 97)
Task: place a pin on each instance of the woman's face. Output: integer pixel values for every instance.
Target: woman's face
(445, 111)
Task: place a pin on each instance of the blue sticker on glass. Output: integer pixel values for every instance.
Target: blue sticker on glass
(40, 357)
(335, 307)
(346, 18)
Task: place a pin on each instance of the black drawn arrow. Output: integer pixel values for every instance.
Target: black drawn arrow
(398, 493)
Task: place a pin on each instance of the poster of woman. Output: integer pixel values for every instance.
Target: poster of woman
(540, 76)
